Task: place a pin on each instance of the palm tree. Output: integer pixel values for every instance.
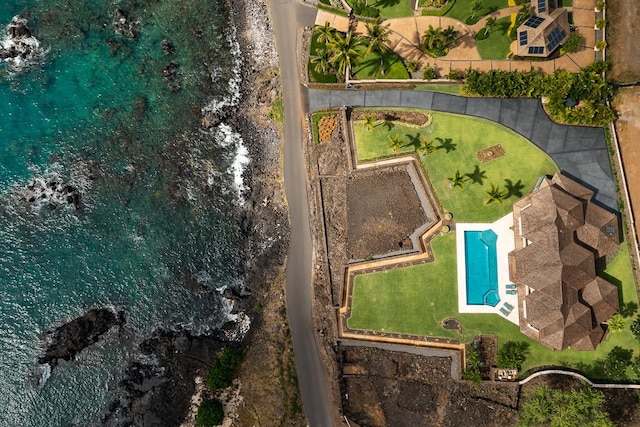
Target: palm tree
(395, 142)
(489, 24)
(496, 194)
(432, 38)
(457, 180)
(325, 32)
(378, 35)
(322, 60)
(345, 51)
(427, 146)
(370, 122)
(450, 36)
(476, 7)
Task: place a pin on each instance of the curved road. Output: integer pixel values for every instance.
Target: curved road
(288, 17)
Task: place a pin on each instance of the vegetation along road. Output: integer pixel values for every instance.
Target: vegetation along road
(288, 17)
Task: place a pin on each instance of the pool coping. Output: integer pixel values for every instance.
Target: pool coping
(503, 228)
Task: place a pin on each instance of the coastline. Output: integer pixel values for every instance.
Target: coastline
(174, 394)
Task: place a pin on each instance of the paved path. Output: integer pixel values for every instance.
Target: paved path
(580, 152)
(288, 17)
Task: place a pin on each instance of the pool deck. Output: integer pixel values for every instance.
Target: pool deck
(504, 245)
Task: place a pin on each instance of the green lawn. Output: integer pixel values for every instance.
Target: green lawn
(415, 299)
(463, 136)
(315, 77)
(496, 46)
(453, 88)
(393, 8)
(369, 67)
(461, 10)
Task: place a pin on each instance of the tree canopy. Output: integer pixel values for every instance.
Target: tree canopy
(548, 407)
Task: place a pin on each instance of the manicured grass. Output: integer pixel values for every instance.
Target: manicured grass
(369, 67)
(452, 88)
(461, 10)
(393, 8)
(464, 136)
(415, 299)
(496, 46)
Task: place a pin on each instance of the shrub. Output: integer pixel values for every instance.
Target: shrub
(455, 75)
(429, 73)
(600, 23)
(635, 328)
(513, 354)
(600, 6)
(601, 45)
(210, 413)
(573, 43)
(223, 369)
(412, 66)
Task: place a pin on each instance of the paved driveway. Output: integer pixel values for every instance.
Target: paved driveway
(580, 152)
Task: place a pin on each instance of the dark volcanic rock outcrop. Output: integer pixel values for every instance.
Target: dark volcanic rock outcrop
(19, 46)
(79, 333)
(158, 386)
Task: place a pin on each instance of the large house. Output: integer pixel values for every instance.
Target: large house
(559, 234)
(544, 31)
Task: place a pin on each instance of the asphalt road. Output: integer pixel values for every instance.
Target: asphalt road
(288, 17)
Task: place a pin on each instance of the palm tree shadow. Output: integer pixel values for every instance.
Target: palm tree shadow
(513, 189)
(446, 144)
(477, 176)
(414, 141)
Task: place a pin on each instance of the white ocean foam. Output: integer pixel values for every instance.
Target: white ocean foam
(28, 47)
(45, 373)
(227, 138)
(233, 85)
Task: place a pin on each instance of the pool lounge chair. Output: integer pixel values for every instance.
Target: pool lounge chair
(505, 312)
(512, 292)
(511, 286)
(508, 306)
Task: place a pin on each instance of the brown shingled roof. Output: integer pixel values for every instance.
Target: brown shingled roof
(568, 302)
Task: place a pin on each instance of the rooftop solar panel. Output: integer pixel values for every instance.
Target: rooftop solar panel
(542, 6)
(536, 50)
(523, 38)
(555, 37)
(534, 21)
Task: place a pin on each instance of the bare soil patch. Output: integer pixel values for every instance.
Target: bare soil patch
(490, 153)
(414, 118)
(623, 19)
(383, 209)
(627, 104)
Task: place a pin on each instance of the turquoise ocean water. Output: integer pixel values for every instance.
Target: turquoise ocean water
(159, 202)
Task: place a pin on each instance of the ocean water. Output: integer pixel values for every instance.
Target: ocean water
(158, 229)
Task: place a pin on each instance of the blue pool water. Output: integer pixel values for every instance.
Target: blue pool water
(481, 267)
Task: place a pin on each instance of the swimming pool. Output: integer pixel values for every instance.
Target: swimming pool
(481, 267)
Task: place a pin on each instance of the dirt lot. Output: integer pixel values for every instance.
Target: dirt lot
(383, 209)
(627, 104)
(623, 17)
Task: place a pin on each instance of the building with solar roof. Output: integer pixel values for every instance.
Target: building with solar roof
(544, 31)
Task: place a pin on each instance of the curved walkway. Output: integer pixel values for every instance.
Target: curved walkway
(580, 152)
(576, 375)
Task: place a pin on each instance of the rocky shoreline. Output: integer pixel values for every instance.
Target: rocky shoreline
(162, 386)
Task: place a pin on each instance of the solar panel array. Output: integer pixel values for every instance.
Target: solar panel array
(542, 6)
(523, 38)
(556, 36)
(534, 21)
(536, 50)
